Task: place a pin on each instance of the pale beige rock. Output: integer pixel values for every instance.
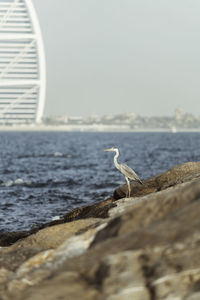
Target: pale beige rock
(68, 285)
(194, 296)
(40, 266)
(11, 258)
(54, 236)
(4, 275)
(31, 272)
(176, 285)
(124, 278)
(136, 213)
(35, 262)
(124, 204)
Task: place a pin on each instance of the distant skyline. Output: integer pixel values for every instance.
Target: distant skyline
(115, 56)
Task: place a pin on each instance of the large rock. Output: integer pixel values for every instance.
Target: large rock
(144, 248)
(134, 258)
(48, 238)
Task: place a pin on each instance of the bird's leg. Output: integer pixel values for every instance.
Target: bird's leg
(129, 188)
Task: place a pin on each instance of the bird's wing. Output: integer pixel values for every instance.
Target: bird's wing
(128, 172)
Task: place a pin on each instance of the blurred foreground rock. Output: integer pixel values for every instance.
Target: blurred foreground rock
(145, 247)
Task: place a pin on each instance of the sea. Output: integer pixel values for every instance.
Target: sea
(44, 175)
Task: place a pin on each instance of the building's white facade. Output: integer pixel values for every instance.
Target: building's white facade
(22, 64)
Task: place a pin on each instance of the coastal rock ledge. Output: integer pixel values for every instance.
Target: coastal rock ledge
(144, 248)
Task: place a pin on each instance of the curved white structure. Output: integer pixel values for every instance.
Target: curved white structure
(22, 64)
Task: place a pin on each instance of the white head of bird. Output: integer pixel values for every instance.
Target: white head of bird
(112, 149)
(116, 155)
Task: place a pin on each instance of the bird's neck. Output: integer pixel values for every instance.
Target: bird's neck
(115, 159)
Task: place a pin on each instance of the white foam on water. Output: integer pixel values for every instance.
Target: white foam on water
(55, 218)
(19, 181)
(57, 154)
(8, 183)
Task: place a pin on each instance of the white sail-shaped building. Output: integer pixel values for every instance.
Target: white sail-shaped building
(22, 64)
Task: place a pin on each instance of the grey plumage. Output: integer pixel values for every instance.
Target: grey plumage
(125, 170)
(128, 172)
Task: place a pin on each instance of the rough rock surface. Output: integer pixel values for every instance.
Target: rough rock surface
(145, 247)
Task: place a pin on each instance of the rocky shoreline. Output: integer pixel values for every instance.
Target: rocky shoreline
(145, 247)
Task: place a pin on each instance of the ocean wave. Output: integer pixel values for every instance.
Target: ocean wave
(47, 155)
(55, 218)
(7, 183)
(69, 182)
(19, 181)
(58, 154)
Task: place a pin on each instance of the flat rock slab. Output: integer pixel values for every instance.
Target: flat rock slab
(47, 238)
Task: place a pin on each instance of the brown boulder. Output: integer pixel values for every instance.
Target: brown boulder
(11, 259)
(48, 238)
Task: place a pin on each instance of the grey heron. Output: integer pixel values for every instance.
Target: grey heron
(125, 170)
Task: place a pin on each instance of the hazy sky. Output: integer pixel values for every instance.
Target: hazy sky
(113, 56)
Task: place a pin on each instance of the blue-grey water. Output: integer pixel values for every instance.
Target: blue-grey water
(46, 174)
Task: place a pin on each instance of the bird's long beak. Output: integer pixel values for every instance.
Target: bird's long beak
(108, 150)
